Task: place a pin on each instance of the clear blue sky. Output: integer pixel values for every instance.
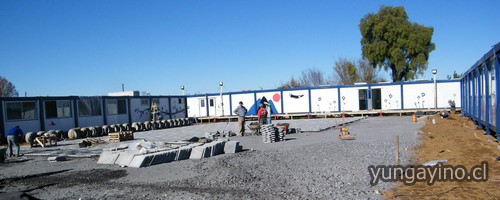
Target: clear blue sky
(91, 47)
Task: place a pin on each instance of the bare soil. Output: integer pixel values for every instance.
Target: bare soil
(461, 143)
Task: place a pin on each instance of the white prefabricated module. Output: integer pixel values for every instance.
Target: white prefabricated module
(326, 99)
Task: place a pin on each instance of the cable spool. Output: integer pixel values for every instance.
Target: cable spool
(135, 127)
(29, 137)
(40, 133)
(59, 134)
(92, 132)
(125, 127)
(84, 132)
(74, 133)
(165, 124)
(98, 130)
(147, 125)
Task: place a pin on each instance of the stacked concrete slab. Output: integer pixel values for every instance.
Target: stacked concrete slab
(136, 159)
(232, 147)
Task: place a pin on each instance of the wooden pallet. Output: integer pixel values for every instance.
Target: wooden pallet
(121, 136)
(43, 140)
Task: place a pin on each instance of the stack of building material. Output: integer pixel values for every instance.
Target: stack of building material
(281, 134)
(268, 133)
(272, 134)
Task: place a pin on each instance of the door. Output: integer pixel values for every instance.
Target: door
(212, 111)
(363, 99)
(202, 107)
(376, 99)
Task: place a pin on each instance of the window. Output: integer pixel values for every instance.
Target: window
(211, 103)
(180, 101)
(89, 107)
(57, 109)
(21, 110)
(202, 103)
(144, 102)
(117, 106)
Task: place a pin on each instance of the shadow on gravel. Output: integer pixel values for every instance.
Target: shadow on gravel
(66, 180)
(10, 161)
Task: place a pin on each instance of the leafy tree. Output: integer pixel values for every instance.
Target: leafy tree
(7, 89)
(454, 76)
(390, 41)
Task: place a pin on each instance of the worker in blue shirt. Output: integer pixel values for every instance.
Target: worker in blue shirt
(13, 137)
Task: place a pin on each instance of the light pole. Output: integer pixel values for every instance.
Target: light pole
(182, 89)
(221, 99)
(434, 71)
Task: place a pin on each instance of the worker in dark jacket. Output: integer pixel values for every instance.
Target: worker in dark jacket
(13, 137)
(262, 114)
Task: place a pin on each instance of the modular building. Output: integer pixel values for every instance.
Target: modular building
(343, 98)
(63, 113)
(479, 86)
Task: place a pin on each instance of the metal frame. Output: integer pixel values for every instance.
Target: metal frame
(475, 85)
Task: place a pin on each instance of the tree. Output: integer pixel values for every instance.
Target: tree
(7, 89)
(454, 76)
(309, 78)
(390, 41)
(348, 72)
(345, 72)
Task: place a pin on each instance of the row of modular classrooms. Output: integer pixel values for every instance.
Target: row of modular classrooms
(479, 86)
(345, 98)
(63, 113)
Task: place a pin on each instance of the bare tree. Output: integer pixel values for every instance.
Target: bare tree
(308, 78)
(7, 89)
(367, 73)
(348, 72)
(345, 72)
(312, 77)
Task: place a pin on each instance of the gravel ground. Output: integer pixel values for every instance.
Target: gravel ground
(305, 166)
(173, 134)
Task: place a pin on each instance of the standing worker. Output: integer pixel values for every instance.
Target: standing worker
(268, 109)
(13, 137)
(241, 111)
(262, 114)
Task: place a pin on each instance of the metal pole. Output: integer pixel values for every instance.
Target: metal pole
(221, 101)
(435, 93)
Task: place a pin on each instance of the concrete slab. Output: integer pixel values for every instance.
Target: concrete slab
(141, 161)
(231, 147)
(125, 158)
(108, 157)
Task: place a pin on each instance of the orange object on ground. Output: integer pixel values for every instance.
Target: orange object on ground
(414, 118)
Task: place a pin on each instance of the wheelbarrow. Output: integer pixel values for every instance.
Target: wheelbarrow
(255, 127)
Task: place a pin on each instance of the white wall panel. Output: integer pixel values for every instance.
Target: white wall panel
(391, 96)
(324, 100)
(275, 97)
(418, 96)
(349, 98)
(296, 101)
(247, 99)
(140, 113)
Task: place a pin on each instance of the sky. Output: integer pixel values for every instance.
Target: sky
(84, 48)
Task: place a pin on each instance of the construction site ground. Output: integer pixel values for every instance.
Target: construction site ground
(461, 143)
(310, 165)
